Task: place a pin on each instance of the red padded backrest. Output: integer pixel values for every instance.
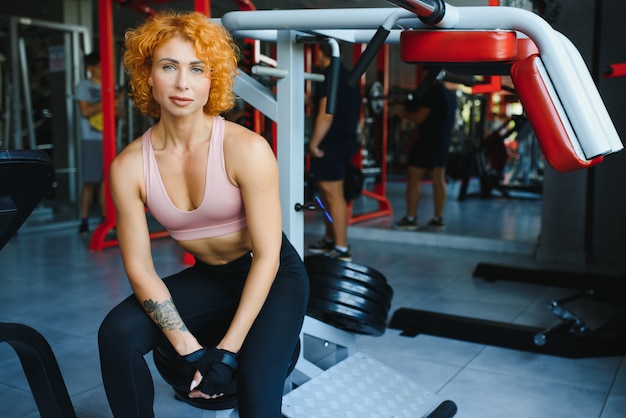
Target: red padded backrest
(543, 116)
(457, 46)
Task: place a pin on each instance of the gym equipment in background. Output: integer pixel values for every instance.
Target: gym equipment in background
(578, 332)
(25, 177)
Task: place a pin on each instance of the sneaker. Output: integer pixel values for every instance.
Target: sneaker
(322, 246)
(83, 228)
(406, 224)
(337, 254)
(436, 224)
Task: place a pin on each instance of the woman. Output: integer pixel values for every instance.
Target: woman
(214, 186)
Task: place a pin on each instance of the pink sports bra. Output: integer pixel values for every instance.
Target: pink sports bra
(221, 211)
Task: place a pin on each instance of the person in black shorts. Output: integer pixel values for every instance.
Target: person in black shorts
(434, 112)
(333, 143)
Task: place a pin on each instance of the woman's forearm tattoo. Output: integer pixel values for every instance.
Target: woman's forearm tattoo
(165, 315)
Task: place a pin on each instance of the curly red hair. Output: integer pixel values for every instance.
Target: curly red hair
(214, 46)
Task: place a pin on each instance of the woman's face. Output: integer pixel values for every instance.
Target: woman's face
(179, 79)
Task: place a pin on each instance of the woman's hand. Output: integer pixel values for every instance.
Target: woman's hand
(214, 372)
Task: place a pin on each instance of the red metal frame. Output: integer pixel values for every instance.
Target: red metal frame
(105, 12)
(382, 121)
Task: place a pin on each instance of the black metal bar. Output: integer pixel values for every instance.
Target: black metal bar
(446, 409)
(41, 370)
(548, 277)
(368, 55)
(430, 12)
(609, 340)
(541, 338)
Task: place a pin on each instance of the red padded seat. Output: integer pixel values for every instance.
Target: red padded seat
(458, 46)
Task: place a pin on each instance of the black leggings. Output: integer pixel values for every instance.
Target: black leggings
(206, 297)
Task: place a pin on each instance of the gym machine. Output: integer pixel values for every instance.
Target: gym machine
(35, 172)
(286, 108)
(29, 90)
(563, 105)
(551, 104)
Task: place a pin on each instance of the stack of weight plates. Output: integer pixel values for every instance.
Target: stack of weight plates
(349, 296)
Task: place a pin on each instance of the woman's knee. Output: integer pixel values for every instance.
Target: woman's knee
(112, 333)
(124, 324)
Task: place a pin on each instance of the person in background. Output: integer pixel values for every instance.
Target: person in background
(214, 185)
(434, 113)
(89, 98)
(333, 143)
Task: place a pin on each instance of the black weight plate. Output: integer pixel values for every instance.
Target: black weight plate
(323, 305)
(372, 317)
(345, 318)
(337, 268)
(378, 285)
(357, 301)
(349, 324)
(352, 301)
(350, 286)
(319, 262)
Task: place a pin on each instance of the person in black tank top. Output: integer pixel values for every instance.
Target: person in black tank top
(333, 144)
(435, 114)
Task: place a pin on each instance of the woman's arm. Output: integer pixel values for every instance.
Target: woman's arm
(252, 166)
(321, 125)
(134, 242)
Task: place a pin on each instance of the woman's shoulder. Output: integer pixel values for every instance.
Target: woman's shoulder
(238, 135)
(244, 149)
(130, 156)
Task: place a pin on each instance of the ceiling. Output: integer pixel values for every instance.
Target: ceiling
(219, 7)
(126, 18)
(222, 6)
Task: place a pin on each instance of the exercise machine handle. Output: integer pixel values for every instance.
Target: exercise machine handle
(368, 55)
(333, 82)
(430, 12)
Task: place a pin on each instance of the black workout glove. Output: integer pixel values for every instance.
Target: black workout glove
(216, 366)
